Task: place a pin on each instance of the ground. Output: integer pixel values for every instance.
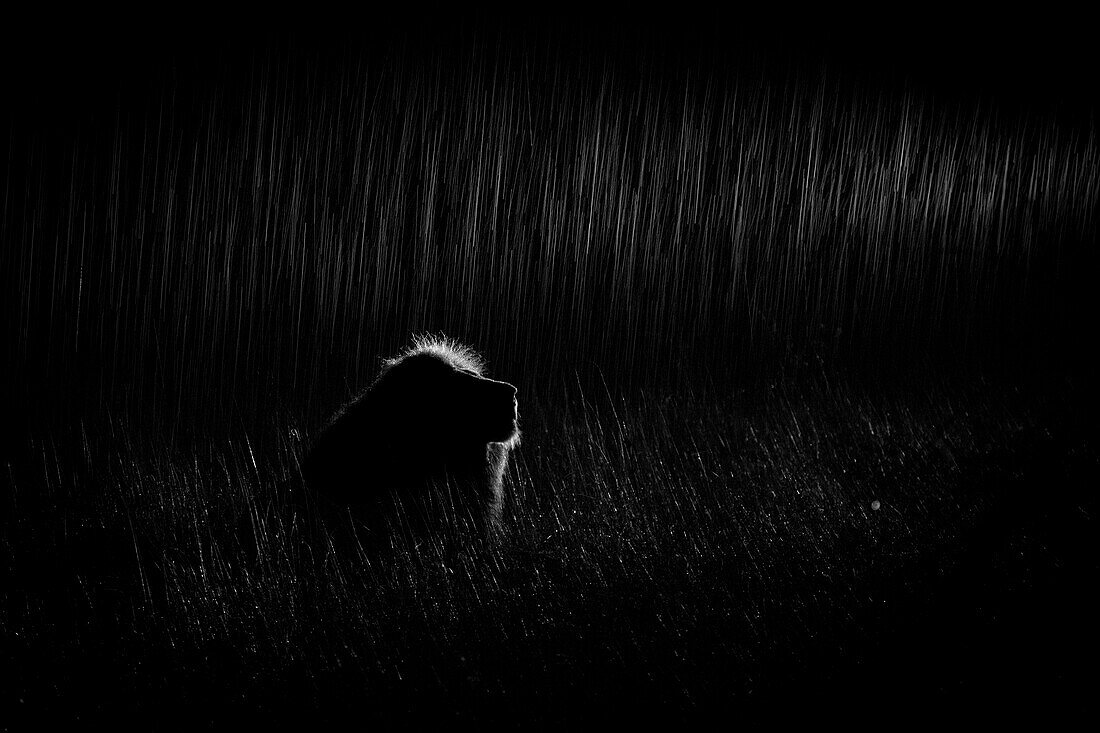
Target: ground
(702, 556)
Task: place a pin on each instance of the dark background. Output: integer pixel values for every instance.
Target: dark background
(800, 307)
(137, 170)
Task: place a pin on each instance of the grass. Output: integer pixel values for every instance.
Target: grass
(665, 555)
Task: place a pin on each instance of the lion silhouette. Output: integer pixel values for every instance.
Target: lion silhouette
(423, 449)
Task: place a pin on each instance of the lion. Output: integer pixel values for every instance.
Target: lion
(424, 449)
